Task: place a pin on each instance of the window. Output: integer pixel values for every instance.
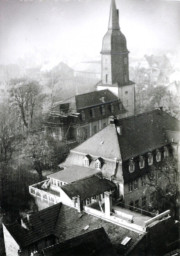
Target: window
(106, 78)
(144, 201)
(126, 92)
(125, 60)
(130, 186)
(94, 129)
(92, 112)
(131, 166)
(112, 108)
(166, 153)
(86, 161)
(103, 110)
(135, 184)
(83, 115)
(120, 106)
(141, 162)
(158, 156)
(150, 159)
(98, 164)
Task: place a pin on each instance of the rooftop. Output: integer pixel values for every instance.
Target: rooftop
(87, 244)
(83, 188)
(73, 173)
(139, 134)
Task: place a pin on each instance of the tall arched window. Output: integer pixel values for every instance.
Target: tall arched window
(141, 162)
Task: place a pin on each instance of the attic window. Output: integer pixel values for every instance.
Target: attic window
(131, 166)
(150, 159)
(83, 115)
(92, 112)
(86, 161)
(166, 152)
(158, 156)
(141, 162)
(98, 164)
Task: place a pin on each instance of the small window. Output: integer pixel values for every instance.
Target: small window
(94, 129)
(126, 92)
(166, 152)
(92, 112)
(135, 184)
(112, 108)
(130, 186)
(125, 60)
(131, 166)
(120, 106)
(150, 159)
(103, 110)
(158, 156)
(83, 115)
(106, 78)
(141, 162)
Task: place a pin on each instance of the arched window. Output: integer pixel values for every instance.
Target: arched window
(158, 156)
(141, 162)
(150, 159)
(166, 152)
(131, 166)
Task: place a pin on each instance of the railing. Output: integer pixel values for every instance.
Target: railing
(158, 217)
(43, 195)
(135, 209)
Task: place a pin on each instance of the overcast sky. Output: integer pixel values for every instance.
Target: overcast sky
(71, 30)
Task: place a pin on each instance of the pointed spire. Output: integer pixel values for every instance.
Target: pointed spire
(113, 17)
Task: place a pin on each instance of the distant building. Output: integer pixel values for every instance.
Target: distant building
(81, 116)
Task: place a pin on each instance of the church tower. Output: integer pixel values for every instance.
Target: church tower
(115, 63)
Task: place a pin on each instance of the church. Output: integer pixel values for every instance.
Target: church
(78, 118)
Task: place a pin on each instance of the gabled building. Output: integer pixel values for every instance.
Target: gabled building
(81, 116)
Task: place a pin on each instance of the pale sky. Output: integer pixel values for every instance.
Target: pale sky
(42, 31)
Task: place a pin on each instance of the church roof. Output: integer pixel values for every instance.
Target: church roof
(140, 134)
(94, 98)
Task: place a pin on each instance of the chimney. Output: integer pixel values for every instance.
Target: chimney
(108, 203)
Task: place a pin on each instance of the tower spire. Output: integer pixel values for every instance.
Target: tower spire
(113, 17)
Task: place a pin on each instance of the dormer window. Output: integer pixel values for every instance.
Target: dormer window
(103, 110)
(141, 162)
(86, 160)
(150, 159)
(166, 152)
(83, 115)
(98, 164)
(92, 112)
(158, 156)
(131, 166)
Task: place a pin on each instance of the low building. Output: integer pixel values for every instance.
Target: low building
(81, 116)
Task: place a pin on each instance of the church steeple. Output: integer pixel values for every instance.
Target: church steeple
(113, 17)
(115, 63)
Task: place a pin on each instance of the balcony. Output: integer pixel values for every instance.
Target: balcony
(39, 190)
